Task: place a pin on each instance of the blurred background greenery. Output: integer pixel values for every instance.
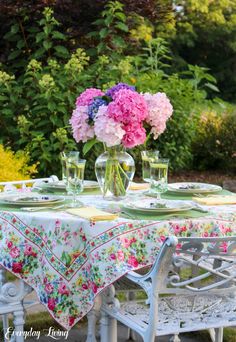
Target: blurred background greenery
(51, 50)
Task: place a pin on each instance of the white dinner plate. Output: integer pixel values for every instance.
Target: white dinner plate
(60, 185)
(193, 188)
(158, 206)
(30, 200)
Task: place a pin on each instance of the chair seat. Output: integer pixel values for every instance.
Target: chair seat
(180, 313)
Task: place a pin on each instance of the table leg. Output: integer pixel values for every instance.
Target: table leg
(19, 325)
(92, 318)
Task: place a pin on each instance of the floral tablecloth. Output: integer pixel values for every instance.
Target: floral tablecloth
(69, 260)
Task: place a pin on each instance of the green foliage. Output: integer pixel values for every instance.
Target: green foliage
(157, 55)
(39, 103)
(39, 86)
(39, 41)
(214, 146)
(206, 35)
(109, 29)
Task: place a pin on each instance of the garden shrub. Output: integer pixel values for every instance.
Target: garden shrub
(214, 146)
(14, 166)
(37, 94)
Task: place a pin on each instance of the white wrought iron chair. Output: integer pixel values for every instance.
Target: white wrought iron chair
(188, 289)
(12, 294)
(13, 185)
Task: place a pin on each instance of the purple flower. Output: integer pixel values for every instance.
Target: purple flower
(93, 108)
(111, 92)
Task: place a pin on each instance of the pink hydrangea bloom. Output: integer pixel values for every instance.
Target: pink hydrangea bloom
(135, 135)
(106, 129)
(128, 107)
(159, 111)
(86, 98)
(82, 131)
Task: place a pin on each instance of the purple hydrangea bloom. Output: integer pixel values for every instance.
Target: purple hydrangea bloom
(93, 108)
(110, 92)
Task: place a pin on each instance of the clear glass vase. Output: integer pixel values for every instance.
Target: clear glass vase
(114, 170)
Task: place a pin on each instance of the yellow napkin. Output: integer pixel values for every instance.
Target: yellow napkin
(93, 214)
(139, 186)
(216, 200)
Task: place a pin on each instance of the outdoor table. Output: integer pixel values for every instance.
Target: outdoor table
(69, 260)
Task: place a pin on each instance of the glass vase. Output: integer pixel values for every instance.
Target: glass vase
(114, 170)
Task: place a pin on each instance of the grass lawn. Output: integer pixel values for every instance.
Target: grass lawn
(43, 321)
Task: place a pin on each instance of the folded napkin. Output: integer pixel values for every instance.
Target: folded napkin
(139, 186)
(216, 200)
(93, 214)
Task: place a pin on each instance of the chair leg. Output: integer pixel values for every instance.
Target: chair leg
(92, 318)
(5, 324)
(219, 332)
(108, 329)
(216, 334)
(19, 325)
(131, 334)
(175, 338)
(108, 326)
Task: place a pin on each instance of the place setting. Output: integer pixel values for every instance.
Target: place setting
(31, 202)
(72, 163)
(159, 200)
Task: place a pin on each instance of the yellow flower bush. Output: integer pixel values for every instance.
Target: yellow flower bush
(14, 166)
(142, 32)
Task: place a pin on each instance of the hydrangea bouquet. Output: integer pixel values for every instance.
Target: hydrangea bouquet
(118, 117)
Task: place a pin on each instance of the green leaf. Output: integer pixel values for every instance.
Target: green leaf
(39, 53)
(108, 20)
(121, 26)
(12, 37)
(14, 54)
(211, 86)
(33, 29)
(42, 22)
(58, 35)
(52, 106)
(92, 34)
(8, 35)
(98, 22)
(61, 51)
(3, 98)
(15, 28)
(118, 42)
(7, 112)
(101, 47)
(39, 36)
(47, 30)
(104, 32)
(88, 145)
(20, 44)
(47, 45)
(121, 16)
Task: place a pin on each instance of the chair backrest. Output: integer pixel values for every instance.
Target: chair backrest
(188, 265)
(13, 185)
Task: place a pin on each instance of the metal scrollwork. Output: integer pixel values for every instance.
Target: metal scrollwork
(14, 292)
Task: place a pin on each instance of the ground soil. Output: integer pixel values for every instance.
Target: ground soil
(212, 177)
